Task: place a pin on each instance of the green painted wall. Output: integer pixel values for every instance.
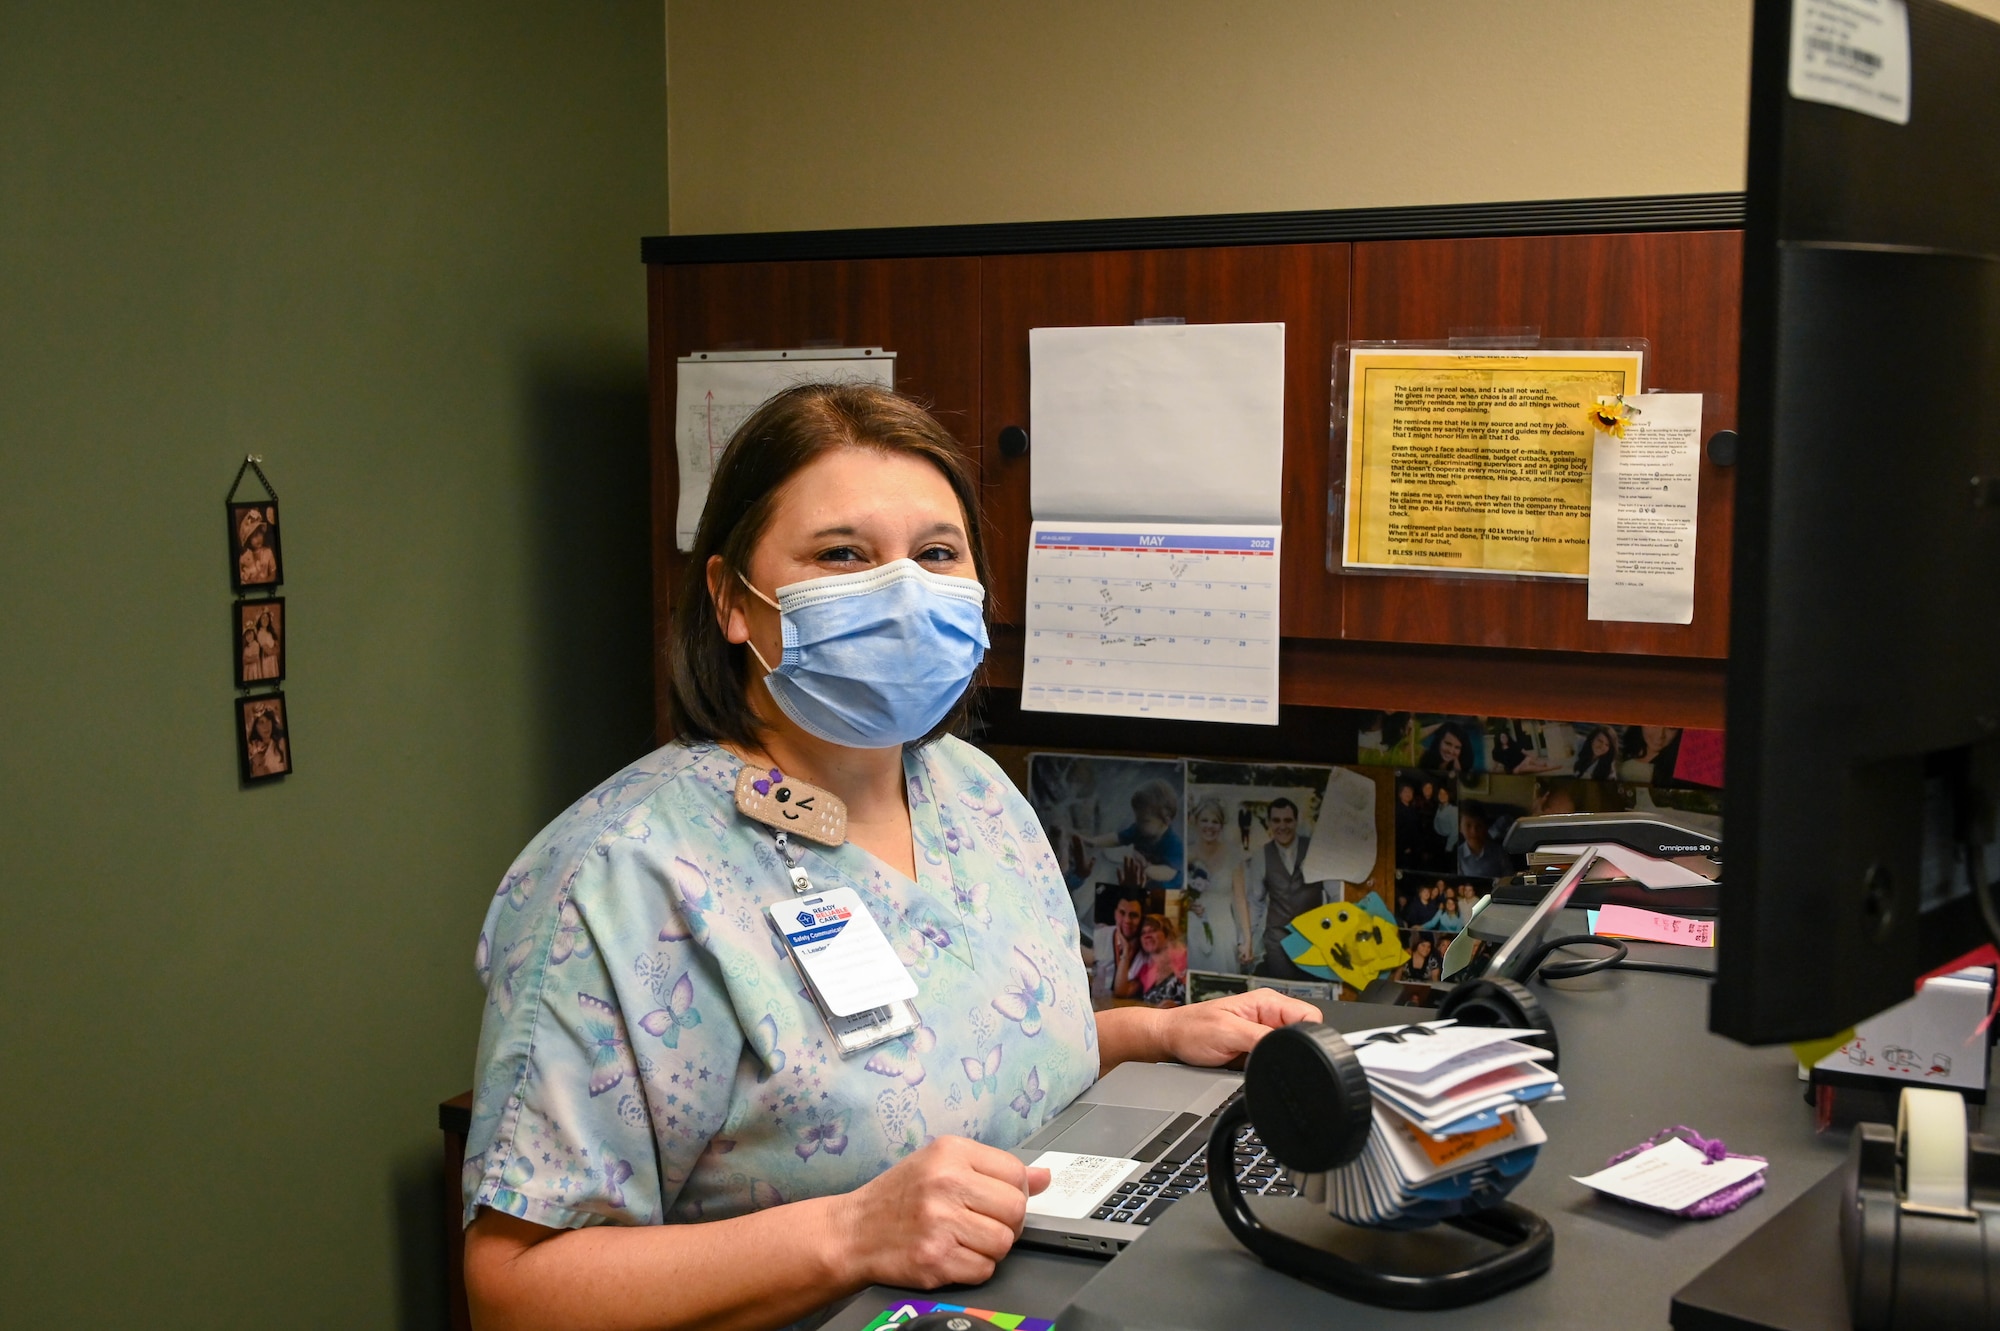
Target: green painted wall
(393, 247)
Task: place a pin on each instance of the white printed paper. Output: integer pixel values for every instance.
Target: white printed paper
(1643, 490)
(1170, 423)
(1936, 1038)
(1853, 53)
(717, 389)
(1168, 620)
(842, 951)
(1078, 1184)
(1648, 870)
(1672, 1176)
(1417, 1060)
(1343, 839)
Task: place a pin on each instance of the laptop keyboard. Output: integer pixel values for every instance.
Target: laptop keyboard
(1183, 1170)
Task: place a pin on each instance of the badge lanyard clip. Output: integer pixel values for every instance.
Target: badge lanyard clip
(811, 943)
(800, 883)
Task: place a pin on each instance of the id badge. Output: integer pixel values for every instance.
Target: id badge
(860, 986)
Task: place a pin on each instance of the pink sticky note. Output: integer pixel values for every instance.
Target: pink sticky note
(1652, 927)
(1700, 758)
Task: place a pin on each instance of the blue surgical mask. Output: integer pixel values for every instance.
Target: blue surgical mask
(875, 659)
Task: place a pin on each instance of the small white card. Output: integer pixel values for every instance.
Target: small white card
(1853, 53)
(842, 951)
(1423, 1055)
(1078, 1184)
(1672, 1176)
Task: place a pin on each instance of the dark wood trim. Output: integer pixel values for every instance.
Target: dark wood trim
(1614, 687)
(455, 1122)
(1537, 217)
(455, 1115)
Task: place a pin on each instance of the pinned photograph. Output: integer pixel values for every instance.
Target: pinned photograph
(260, 641)
(1448, 745)
(1518, 796)
(1597, 752)
(254, 557)
(1387, 739)
(1134, 928)
(263, 741)
(1451, 745)
(1482, 832)
(1249, 840)
(1426, 963)
(1435, 902)
(1427, 822)
(1647, 754)
(1116, 825)
(1529, 747)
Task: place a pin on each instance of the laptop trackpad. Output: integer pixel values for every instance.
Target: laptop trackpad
(1116, 1130)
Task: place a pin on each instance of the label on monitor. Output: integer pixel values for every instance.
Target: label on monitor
(1854, 54)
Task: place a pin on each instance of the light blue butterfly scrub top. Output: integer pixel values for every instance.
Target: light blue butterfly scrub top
(647, 1052)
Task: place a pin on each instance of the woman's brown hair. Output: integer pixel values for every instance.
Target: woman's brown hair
(705, 671)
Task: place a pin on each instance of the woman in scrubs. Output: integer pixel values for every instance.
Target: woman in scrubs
(649, 1057)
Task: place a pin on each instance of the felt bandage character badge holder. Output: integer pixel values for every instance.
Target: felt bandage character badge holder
(794, 807)
(851, 974)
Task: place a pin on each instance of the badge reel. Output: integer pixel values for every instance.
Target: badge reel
(855, 979)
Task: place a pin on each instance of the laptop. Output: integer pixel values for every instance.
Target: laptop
(1127, 1149)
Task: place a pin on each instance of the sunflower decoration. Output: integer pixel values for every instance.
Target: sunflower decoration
(1610, 417)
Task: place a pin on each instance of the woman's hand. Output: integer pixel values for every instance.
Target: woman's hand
(1216, 1032)
(1219, 1032)
(945, 1215)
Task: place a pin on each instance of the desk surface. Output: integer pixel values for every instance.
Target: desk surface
(1636, 1057)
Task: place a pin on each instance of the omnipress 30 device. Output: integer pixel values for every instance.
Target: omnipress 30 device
(1655, 860)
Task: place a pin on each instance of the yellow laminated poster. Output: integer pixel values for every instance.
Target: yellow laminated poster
(1475, 461)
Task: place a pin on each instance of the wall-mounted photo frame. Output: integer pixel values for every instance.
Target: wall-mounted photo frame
(255, 559)
(263, 739)
(260, 641)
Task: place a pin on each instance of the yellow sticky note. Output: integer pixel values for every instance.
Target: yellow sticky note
(1809, 1052)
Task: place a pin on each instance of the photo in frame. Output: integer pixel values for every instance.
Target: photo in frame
(260, 641)
(263, 738)
(255, 558)
(1116, 826)
(1249, 830)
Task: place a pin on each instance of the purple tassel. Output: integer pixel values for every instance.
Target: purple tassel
(1716, 1203)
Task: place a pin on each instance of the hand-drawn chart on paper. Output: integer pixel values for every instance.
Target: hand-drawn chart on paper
(718, 389)
(1168, 620)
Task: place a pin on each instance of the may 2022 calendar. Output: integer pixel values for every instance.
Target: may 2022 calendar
(1157, 494)
(1167, 620)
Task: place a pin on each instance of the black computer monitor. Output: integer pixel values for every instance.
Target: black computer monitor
(1864, 663)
